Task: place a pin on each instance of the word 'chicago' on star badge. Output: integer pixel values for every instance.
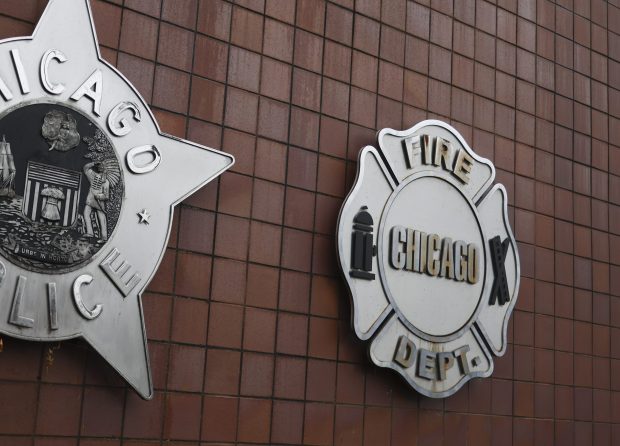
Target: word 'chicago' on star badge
(87, 187)
(425, 245)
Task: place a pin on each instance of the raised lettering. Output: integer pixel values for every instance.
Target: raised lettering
(443, 154)
(432, 264)
(463, 165)
(472, 263)
(405, 352)
(92, 88)
(119, 126)
(50, 55)
(87, 314)
(426, 364)
(16, 317)
(447, 259)
(19, 70)
(136, 152)
(460, 263)
(461, 354)
(52, 306)
(445, 361)
(5, 91)
(412, 150)
(427, 148)
(120, 275)
(397, 257)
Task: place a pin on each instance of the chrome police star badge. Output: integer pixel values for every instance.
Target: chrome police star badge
(87, 188)
(426, 248)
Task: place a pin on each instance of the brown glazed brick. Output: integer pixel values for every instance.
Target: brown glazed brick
(254, 420)
(289, 377)
(308, 51)
(139, 71)
(143, 419)
(171, 90)
(189, 322)
(292, 334)
(157, 310)
(230, 229)
(294, 291)
(257, 374)
(222, 372)
(139, 35)
(348, 425)
(318, 423)
(339, 24)
(275, 79)
(228, 281)
(186, 368)
(321, 380)
(225, 325)
(182, 421)
(175, 47)
(259, 332)
(262, 286)
(193, 272)
(101, 414)
(59, 410)
(219, 420)
(287, 422)
(144, 6)
(182, 13)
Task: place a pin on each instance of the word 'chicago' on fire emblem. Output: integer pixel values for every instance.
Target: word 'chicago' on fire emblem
(87, 188)
(426, 248)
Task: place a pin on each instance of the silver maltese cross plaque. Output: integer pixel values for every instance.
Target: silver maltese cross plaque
(88, 183)
(426, 248)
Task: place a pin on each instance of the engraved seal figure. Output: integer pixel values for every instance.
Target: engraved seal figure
(50, 207)
(60, 131)
(98, 195)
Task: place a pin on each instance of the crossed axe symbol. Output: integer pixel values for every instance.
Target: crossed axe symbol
(499, 291)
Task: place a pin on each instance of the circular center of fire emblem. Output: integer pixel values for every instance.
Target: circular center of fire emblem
(61, 187)
(433, 261)
(426, 248)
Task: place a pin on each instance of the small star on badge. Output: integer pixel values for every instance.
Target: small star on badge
(144, 216)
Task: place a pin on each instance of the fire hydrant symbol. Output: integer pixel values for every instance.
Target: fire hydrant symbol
(362, 247)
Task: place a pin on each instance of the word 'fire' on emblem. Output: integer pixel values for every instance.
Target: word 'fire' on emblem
(88, 184)
(425, 245)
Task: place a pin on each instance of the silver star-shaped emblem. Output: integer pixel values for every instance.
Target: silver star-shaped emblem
(144, 217)
(97, 299)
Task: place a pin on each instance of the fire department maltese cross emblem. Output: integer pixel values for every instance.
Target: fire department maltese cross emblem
(425, 245)
(87, 188)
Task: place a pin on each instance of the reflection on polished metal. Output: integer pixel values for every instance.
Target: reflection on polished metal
(80, 155)
(426, 248)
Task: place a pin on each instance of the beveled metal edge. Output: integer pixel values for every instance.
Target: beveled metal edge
(366, 151)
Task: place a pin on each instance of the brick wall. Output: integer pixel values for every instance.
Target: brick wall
(248, 320)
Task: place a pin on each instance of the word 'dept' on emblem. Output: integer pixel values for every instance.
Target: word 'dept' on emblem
(426, 248)
(87, 188)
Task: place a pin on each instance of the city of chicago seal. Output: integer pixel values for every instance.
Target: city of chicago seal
(88, 184)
